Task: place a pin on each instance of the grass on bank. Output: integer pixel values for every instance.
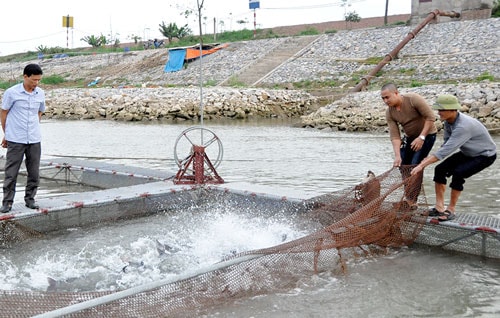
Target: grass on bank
(228, 36)
(223, 37)
(333, 82)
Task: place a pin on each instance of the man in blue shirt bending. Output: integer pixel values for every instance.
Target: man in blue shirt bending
(476, 151)
(22, 107)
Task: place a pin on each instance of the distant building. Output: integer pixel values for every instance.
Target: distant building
(468, 9)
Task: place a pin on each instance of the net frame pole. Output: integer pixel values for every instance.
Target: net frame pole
(143, 288)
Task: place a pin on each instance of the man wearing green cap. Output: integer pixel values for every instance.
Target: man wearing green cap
(476, 151)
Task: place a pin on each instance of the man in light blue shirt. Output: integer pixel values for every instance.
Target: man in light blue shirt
(476, 151)
(22, 107)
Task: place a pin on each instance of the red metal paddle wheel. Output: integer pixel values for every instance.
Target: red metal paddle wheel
(197, 168)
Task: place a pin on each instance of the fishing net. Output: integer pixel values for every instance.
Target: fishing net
(361, 221)
(11, 231)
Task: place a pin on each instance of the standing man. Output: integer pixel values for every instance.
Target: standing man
(476, 151)
(411, 113)
(22, 107)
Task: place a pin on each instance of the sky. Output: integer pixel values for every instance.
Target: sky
(32, 24)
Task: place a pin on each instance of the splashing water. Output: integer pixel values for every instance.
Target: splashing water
(129, 253)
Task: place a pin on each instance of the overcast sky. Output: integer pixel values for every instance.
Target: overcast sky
(29, 24)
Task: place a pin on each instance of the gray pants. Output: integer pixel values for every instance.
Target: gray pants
(15, 154)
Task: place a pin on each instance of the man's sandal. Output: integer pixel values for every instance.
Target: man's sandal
(434, 212)
(446, 216)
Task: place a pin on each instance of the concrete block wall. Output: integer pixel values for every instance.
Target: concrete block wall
(468, 9)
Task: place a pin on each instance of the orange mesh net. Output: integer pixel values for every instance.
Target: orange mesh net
(364, 220)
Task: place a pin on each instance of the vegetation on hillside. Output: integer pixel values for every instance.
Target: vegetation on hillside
(182, 36)
(495, 12)
(101, 44)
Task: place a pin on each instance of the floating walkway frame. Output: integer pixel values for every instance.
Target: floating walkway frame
(126, 192)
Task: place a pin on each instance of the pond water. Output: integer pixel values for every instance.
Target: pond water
(415, 281)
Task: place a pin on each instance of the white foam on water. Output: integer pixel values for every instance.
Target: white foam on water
(125, 253)
(225, 234)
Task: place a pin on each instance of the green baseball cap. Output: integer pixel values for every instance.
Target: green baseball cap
(447, 102)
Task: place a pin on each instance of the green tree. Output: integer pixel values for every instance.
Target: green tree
(183, 32)
(135, 38)
(113, 39)
(50, 50)
(352, 17)
(495, 12)
(188, 12)
(172, 31)
(242, 22)
(95, 41)
(169, 31)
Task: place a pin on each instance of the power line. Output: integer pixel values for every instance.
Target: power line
(32, 39)
(305, 7)
(314, 6)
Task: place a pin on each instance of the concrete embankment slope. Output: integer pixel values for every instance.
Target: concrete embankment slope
(458, 54)
(452, 51)
(262, 66)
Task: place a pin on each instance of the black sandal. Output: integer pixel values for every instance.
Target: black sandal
(446, 216)
(434, 212)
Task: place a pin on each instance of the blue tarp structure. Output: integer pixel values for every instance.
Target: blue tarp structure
(178, 56)
(175, 60)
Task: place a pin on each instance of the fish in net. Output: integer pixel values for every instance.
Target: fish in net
(361, 221)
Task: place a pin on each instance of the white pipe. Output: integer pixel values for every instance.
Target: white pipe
(140, 289)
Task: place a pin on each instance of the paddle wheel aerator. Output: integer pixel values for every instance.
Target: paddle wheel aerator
(197, 168)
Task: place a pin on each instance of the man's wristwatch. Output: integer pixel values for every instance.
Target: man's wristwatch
(422, 137)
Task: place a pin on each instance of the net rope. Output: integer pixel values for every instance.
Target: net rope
(365, 220)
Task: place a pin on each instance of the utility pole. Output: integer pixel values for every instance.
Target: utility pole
(254, 4)
(386, 10)
(67, 22)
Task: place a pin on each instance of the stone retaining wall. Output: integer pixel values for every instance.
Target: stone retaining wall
(451, 52)
(365, 111)
(137, 104)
